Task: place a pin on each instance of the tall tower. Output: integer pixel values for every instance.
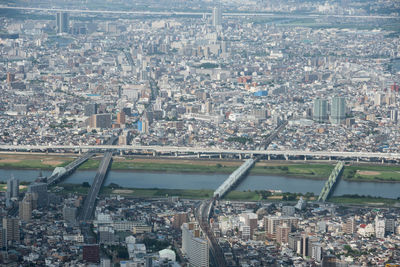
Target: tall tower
(217, 17)
(320, 110)
(338, 110)
(62, 22)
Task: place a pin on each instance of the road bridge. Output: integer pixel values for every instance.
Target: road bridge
(61, 172)
(90, 201)
(330, 183)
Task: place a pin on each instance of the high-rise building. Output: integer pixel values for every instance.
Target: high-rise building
(338, 110)
(179, 219)
(294, 242)
(217, 17)
(100, 121)
(282, 234)
(316, 252)
(11, 230)
(380, 227)
(3, 238)
(320, 110)
(12, 191)
(10, 77)
(271, 224)
(304, 246)
(91, 109)
(245, 229)
(106, 234)
(390, 226)
(379, 98)
(121, 118)
(69, 214)
(41, 190)
(350, 226)
(26, 206)
(194, 245)
(329, 261)
(91, 253)
(62, 22)
(394, 115)
(288, 210)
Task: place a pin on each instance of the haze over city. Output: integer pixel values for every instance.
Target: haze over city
(199, 133)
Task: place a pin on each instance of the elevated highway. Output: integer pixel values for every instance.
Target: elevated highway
(204, 150)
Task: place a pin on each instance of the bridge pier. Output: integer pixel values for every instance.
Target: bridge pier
(383, 161)
(154, 154)
(240, 156)
(176, 154)
(305, 158)
(269, 157)
(220, 156)
(121, 152)
(286, 157)
(358, 159)
(79, 151)
(198, 155)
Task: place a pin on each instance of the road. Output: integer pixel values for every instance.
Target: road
(179, 13)
(90, 201)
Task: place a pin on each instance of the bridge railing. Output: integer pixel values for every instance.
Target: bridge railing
(326, 190)
(233, 178)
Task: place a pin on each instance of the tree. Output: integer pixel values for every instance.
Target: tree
(114, 186)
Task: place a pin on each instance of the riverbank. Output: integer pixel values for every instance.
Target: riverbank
(360, 172)
(233, 195)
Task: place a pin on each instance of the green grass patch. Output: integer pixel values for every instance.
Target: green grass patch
(171, 167)
(91, 164)
(29, 164)
(372, 173)
(243, 195)
(321, 171)
(363, 200)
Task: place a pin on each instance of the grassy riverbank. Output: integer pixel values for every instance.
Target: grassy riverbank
(233, 195)
(309, 170)
(26, 161)
(373, 173)
(364, 200)
(183, 193)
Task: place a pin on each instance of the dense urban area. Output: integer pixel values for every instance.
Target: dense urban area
(293, 75)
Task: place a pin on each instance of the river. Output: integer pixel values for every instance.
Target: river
(212, 181)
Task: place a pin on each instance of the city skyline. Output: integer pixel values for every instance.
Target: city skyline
(194, 133)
